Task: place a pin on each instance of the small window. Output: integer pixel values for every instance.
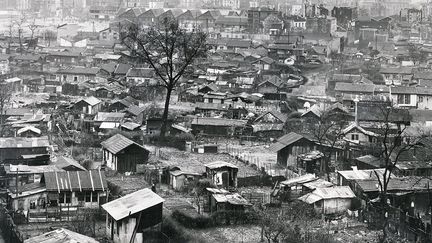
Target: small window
(20, 204)
(33, 204)
(68, 196)
(88, 197)
(94, 196)
(355, 137)
(75, 78)
(81, 196)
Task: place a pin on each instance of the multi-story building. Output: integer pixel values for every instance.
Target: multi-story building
(411, 15)
(256, 17)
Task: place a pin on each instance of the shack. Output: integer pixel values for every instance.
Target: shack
(222, 174)
(330, 200)
(130, 216)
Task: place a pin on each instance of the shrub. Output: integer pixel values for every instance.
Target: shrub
(191, 219)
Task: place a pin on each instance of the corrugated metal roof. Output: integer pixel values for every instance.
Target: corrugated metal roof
(299, 180)
(75, 180)
(360, 174)
(328, 193)
(235, 199)
(117, 143)
(132, 203)
(109, 116)
(220, 164)
(17, 142)
(25, 169)
(61, 236)
(318, 184)
(208, 121)
(62, 162)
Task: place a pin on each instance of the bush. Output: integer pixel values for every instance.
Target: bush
(191, 219)
(176, 232)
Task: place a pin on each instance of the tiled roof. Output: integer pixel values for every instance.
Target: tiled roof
(75, 180)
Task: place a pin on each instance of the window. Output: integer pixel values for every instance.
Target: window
(33, 204)
(210, 100)
(88, 197)
(81, 196)
(75, 78)
(404, 99)
(355, 137)
(20, 204)
(420, 98)
(94, 196)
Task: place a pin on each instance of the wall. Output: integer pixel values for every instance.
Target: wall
(337, 205)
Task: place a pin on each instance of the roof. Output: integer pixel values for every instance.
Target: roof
(136, 110)
(355, 125)
(287, 140)
(140, 72)
(324, 193)
(17, 142)
(130, 125)
(318, 183)
(26, 169)
(29, 128)
(209, 121)
(109, 116)
(63, 162)
(219, 164)
(75, 180)
(399, 70)
(370, 160)
(231, 20)
(92, 100)
(234, 199)
(79, 70)
(360, 174)
(396, 184)
(122, 69)
(132, 203)
(117, 143)
(349, 87)
(26, 190)
(299, 180)
(61, 236)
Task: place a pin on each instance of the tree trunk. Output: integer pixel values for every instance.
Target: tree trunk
(164, 127)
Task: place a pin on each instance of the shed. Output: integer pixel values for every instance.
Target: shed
(129, 216)
(122, 154)
(222, 173)
(330, 200)
(61, 236)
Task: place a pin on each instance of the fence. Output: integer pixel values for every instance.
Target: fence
(8, 228)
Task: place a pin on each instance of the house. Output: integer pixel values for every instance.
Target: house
(356, 134)
(61, 235)
(295, 187)
(59, 58)
(221, 200)
(272, 85)
(289, 146)
(141, 76)
(125, 103)
(12, 149)
(88, 106)
(234, 23)
(76, 74)
(76, 41)
(264, 63)
(217, 126)
(187, 20)
(405, 96)
(76, 188)
(59, 189)
(222, 174)
(20, 175)
(330, 200)
(108, 120)
(150, 17)
(154, 125)
(270, 123)
(122, 154)
(136, 113)
(130, 216)
(207, 20)
(397, 75)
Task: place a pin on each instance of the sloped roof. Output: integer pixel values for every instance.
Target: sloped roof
(355, 125)
(122, 69)
(132, 203)
(328, 193)
(136, 110)
(299, 180)
(220, 164)
(349, 87)
(287, 140)
(92, 100)
(63, 162)
(117, 143)
(209, 121)
(17, 142)
(109, 116)
(140, 72)
(282, 117)
(75, 180)
(29, 128)
(79, 70)
(61, 236)
(398, 70)
(360, 174)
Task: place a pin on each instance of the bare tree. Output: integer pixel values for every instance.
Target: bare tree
(49, 36)
(32, 27)
(5, 96)
(393, 141)
(169, 50)
(11, 33)
(20, 23)
(327, 128)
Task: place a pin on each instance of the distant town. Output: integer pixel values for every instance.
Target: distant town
(283, 121)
